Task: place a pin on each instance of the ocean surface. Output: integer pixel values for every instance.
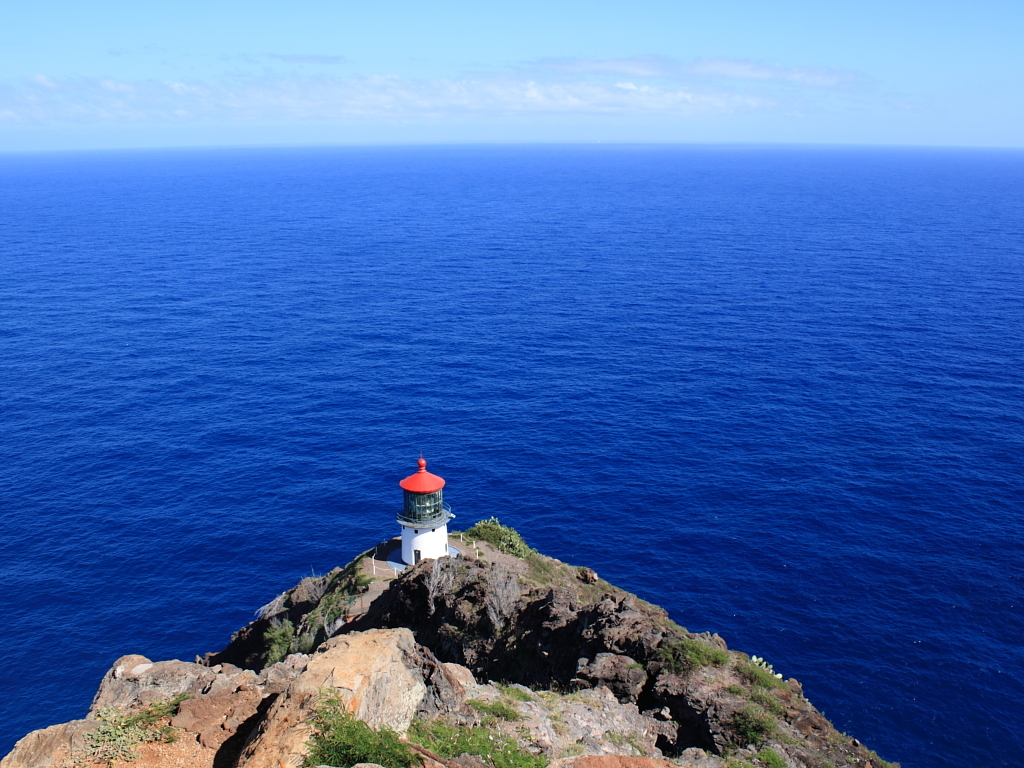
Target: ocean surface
(778, 391)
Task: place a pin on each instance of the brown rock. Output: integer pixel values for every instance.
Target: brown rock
(216, 717)
(135, 680)
(810, 722)
(382, 676)
(40, 748)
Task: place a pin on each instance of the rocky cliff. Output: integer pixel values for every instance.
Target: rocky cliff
(546, 660)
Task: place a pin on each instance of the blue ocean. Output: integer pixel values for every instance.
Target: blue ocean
(778, 391)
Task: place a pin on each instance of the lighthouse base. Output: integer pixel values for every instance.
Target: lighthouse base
(423, 543)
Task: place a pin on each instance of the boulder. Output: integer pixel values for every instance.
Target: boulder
(41, 748)
(216, 717)
(382, 676)
(277, 678)
(134, 680)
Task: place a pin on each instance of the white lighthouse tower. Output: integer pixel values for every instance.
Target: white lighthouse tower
(424, 518)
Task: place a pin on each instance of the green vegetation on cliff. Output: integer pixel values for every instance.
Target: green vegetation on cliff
(340, 740)
(450, 741)
(684, 655)
(120, 734)
(501, 537)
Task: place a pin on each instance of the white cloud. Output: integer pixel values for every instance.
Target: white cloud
(630, 87)
(42, 80)
(116, 87)
(307, 58)
(820, 77)
(699, 70)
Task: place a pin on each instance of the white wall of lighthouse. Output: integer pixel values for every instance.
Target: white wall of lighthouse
(421, 543)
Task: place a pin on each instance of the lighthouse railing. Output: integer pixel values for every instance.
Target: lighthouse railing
(431, 520)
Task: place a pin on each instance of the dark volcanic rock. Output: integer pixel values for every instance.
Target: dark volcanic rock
(619, 673)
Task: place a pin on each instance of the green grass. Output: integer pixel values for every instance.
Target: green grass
(768, 701)
(514, 693)
(573, 750)
(501, 537)
(120, 734)
(340, 740)
(771, 758)
(757, 676)
(449, 741)
(499, 709)
(752, 725)
(622, 740)
(684, 655)
(736, 690)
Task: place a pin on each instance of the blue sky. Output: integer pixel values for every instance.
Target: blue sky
(120, 74)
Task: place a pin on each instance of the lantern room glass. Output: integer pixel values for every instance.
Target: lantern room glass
(425, 510)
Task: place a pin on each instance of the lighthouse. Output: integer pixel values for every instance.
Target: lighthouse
(424, 517)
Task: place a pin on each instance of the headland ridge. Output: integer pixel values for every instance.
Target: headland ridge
(499, 658)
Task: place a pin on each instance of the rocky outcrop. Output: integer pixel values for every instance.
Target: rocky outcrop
(584, 668)
(620, 674)
(382, 676)
(48, 747)
(135, 680)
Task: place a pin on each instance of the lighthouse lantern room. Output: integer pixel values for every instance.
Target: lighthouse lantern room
(424, 517)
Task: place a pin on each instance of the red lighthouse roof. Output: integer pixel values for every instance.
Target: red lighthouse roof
(422, 481)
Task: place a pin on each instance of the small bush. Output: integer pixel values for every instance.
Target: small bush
(501, 537)
(119, 734)
(768, 701)
(735, 690)
(278, 641)
(757, 676)
(497, 709)
(771, 758)
(340, 740)
(497, 750)
(683, 655)
(752, 725)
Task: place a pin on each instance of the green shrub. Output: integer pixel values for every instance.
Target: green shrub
(497, 750)
(278, 641)
(501, 537)
(758, 676)
(752, 725)
(120, 734)
(768, 701)
(683, 655)
(340, 740)
(498, 709)
(771, 758)
(514, 693)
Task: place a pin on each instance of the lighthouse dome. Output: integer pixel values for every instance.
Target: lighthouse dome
(422, 481)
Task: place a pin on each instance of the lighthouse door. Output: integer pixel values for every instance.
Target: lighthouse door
(416, 555)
